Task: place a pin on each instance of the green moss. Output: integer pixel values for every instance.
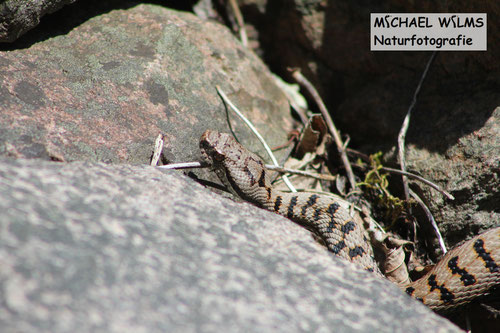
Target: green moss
(376, 184)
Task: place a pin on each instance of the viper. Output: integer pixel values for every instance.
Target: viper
(464, 274)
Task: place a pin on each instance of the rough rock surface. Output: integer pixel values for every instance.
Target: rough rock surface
(453, 138)
(89, 247)
(93, 247)
(19, 16)
(369, 92)
(470, 170)
(103, 91)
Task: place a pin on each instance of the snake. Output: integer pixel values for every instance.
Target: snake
(465, 273)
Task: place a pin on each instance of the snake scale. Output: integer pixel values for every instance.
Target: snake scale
(463, 274)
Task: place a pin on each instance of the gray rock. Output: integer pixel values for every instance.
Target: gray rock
(97, 248)
(104, 91)
(19, 16)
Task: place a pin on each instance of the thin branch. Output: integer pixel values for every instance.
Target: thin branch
(241, 23)
(366, 158)
(295, 99)
(301, 173)
(406, 124)
(431, 219)
(257, 134)
(355, 152)
(157, 150)
(183, 165)
(191, 165)
(297, 75)
(422, 179)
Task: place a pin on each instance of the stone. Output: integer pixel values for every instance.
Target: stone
(121, 248)
(105, 90)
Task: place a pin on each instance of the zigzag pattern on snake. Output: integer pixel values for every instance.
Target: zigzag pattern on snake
(464, 274)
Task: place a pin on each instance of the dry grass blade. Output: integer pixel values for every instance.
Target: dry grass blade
(301, 173)
(257, 134)
(297, 75)
(157, 150)
(419, 178)
(241, 23)
(431, 218)
(183, 165)
(406, 124)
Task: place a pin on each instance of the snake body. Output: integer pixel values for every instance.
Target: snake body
(464, 274)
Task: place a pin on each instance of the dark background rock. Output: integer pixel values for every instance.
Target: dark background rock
(19, 16)
(97, 248)
(369, 92)
(469, 169)
(453, 138)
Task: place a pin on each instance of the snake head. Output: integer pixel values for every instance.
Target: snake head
(217, 150)
(239, 169)
(212, 147)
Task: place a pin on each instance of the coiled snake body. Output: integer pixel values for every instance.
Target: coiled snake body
(464, 273)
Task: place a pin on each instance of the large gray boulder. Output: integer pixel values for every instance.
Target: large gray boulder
(97, 248)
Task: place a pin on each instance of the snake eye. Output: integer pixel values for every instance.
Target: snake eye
(218, 157)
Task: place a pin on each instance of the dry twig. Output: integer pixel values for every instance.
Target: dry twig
(295, 99)
(401, 154)
(431, 218)
(241, 23)
(297, 75)
(190, 165)
(157, 150)
(422, 179)
(406, 124)
(366, 158)
(183, 165)
(301, 173)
